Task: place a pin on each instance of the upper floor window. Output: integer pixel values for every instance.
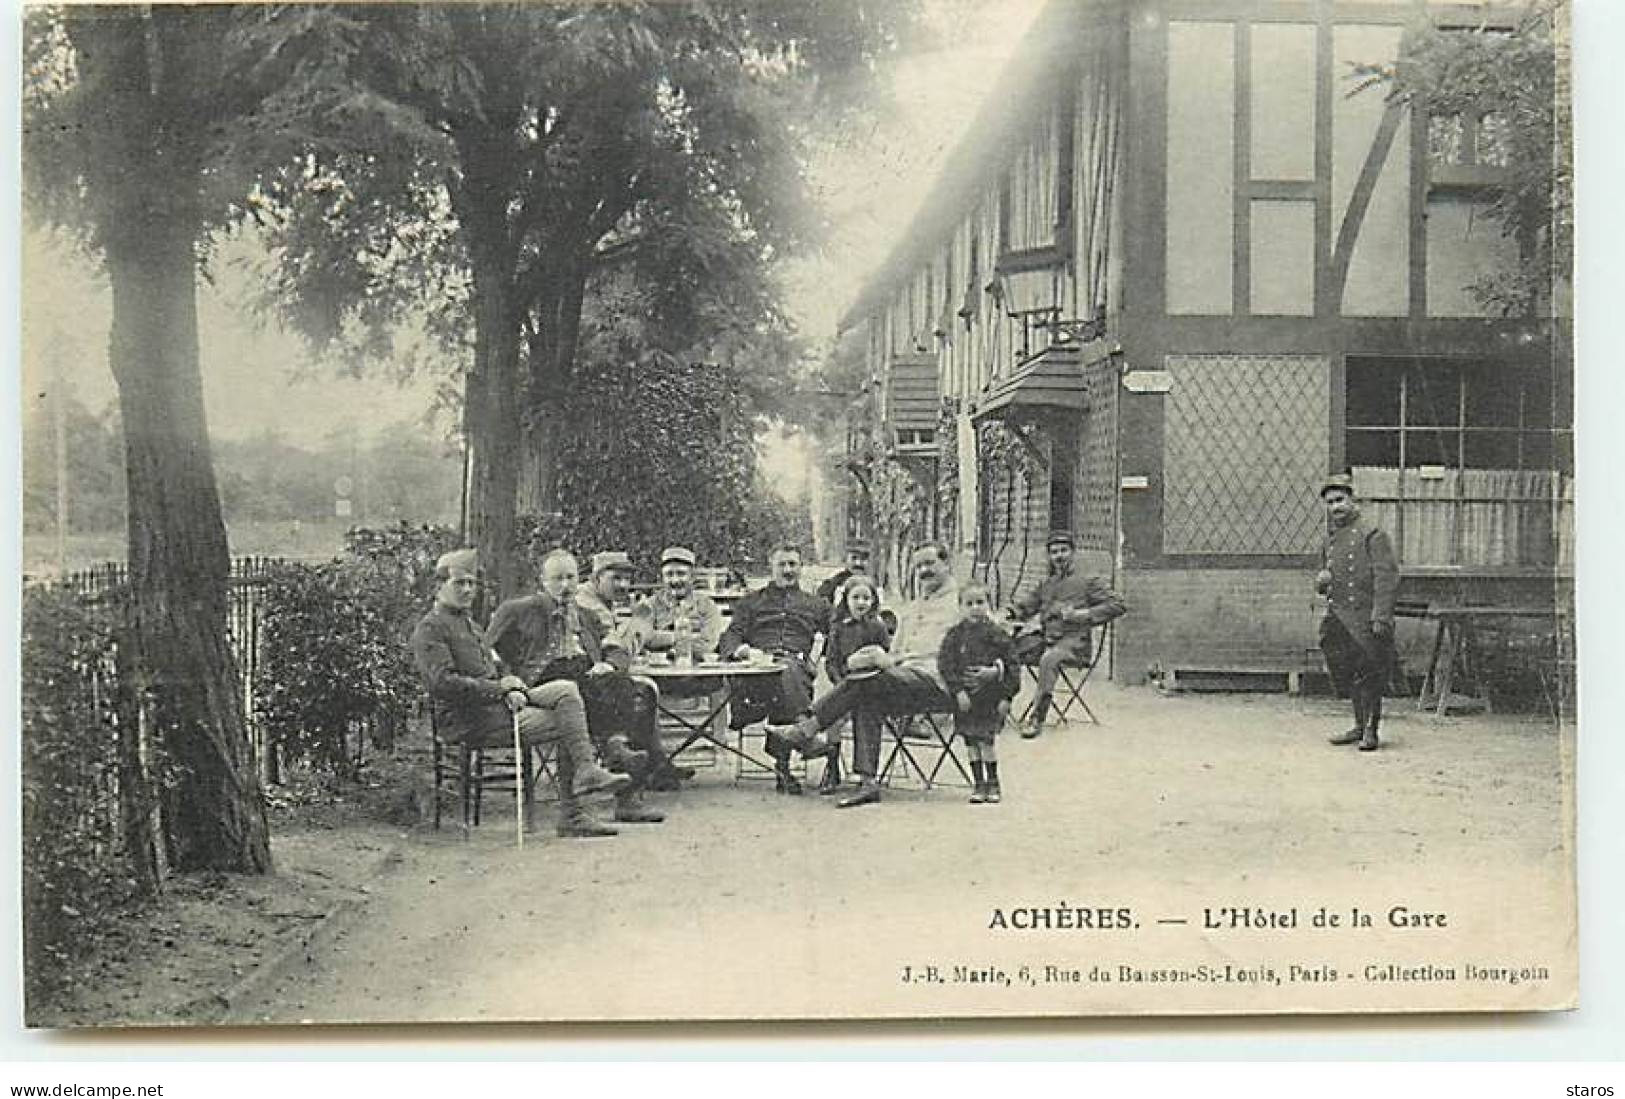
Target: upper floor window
(1467, 148)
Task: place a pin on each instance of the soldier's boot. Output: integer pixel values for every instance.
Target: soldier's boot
(979, 778)
(629, 809)
(1034, 726)
(1368, 742)
(593, 779)
(619, 756)
(783, 781)
(1354, 735)
(575, 822)
(805, 737)
(667, 775)
(831, 782)
(586, 777)
(991, 793)
(867, 793)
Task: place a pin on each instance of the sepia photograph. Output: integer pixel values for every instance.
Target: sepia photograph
(763, 510)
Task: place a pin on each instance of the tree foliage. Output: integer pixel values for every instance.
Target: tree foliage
(491, 158)
(75, 870)
(662, 451)
(335, 665)
(1517, 80)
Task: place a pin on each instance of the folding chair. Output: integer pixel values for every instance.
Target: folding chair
(920, 738)
(747, 718)
(1071, 680)
(471, 771)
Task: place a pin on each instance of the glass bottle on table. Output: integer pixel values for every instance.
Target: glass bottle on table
(682, 649)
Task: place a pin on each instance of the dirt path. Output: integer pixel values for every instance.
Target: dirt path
(749, 903)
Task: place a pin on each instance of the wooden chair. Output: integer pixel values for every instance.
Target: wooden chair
(469, 772)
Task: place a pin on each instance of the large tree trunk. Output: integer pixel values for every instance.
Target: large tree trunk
(494, 396)
(148, 224)
(494, 430)
(179, 563)
(552, 366)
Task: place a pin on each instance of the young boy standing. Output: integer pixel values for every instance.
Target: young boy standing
(977, 662)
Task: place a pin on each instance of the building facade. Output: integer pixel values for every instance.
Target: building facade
(1180, 270)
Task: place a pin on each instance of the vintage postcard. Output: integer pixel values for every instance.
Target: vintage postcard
(847, 510)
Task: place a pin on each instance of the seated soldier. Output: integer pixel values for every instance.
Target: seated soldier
(786, 623)
(857, 564)
(631, 700)
(678, 616)
(544, 638)
(475, 705)
(1067, 606)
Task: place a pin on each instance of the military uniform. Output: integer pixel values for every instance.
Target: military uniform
(1064, 633)
(543, 640)
(466, 693)
(704, 618)
(1356, 635)
(783, 621)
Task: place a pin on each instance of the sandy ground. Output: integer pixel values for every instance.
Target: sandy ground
(748, 904)
(171, 962)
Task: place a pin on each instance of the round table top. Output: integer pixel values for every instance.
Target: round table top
(718, 668)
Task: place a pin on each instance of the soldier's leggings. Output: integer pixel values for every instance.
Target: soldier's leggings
(1358, 671)
(1071, 651)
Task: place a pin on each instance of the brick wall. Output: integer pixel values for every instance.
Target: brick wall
(1241, 619)
(1216, 619)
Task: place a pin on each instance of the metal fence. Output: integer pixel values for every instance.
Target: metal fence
(105, 587)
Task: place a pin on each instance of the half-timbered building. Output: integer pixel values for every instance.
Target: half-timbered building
(1179, 270)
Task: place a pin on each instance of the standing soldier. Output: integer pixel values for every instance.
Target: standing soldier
(1360, 580)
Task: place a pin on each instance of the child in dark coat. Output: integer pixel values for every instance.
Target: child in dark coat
(973, 646)
(856, 626)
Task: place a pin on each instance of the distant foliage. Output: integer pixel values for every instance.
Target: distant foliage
(93, 459)
(334, 663)
(75, 875)
(662, 452)
(399, 563)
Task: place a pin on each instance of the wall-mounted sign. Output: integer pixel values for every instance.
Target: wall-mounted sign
(1148, 381)
(1430, 473)
(1137, 481)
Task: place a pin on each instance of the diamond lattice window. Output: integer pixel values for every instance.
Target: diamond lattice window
(1096, 496)
(1246, 443)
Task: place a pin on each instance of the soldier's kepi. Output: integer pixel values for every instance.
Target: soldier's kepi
(1359, 578)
